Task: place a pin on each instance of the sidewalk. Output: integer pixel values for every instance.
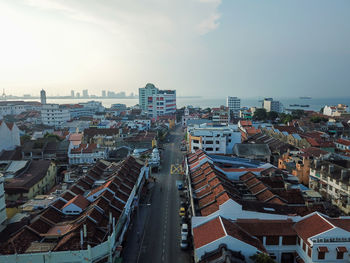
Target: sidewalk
(137, 228)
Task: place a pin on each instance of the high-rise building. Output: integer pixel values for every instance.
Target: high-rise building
(272, 105)
(78, 95)
(43, 96)
(162, 103)
(72, 93)
(103, 93)
(144, 93)
(85, 93)
(234, 104)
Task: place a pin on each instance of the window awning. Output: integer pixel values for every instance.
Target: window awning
(342, 249)
(322, 249)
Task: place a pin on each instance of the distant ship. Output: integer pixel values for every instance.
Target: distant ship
(294, 105)
(305, 98)
(305, 106)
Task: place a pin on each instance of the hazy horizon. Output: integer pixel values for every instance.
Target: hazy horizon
(278, 49)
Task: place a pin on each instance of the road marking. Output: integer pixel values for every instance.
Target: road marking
(176, 169)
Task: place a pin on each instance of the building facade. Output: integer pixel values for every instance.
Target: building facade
(234, 104)
(54, 115)
(272, 105)
(9, 136)
(161, 104)
(148, 91)
(213, 140)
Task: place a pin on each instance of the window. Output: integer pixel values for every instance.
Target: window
(340, 255)
(195, 141)
(209, 149)
(321, 255)
(304, 246)
(309, 252)
(209, 142)
(217, 142)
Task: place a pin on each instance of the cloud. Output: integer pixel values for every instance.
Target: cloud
(152, 16)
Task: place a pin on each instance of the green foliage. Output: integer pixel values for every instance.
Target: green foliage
(262, 258)
(260, 114)
(50, 135)
(272, 115)
(297, 114)
(317, 119)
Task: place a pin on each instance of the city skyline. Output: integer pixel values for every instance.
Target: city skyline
(280, 48)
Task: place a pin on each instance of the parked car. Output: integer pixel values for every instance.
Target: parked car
(182, 211)
(184, 230)
(183, 220)
(183, 148)
(183, 242)
(180, 186)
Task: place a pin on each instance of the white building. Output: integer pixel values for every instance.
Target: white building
(334, 111)
(272, 105)
(162, 103)
(86, 153)
(213, 140)
(54, 115)
(234, 104)
(9, 136)
(144, 93)
(2, 200)
(17, 107)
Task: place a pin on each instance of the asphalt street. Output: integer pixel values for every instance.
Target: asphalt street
(161, 239)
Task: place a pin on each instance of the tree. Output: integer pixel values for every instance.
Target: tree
(262, 258)
(272, 115)
(50, 135)
(260, 114)
(317, 119)
(297, 114)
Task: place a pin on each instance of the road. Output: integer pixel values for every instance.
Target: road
(161, 239)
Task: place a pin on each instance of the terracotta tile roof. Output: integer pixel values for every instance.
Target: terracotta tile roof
(344, 142)
(246, 176)
(208, 232)
(341, 223)
(59, 204)
(79, 201)
(67, 196)
(210, 209)
(260, 227)
(234, 230)
(311, 226)
(258, 188)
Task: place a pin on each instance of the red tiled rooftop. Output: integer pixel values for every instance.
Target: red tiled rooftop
(79, 201)
(232, 229)
(260, 227)
(311, 226)
(208, 232)
(344, 142)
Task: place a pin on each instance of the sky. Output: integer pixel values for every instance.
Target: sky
(210, 48)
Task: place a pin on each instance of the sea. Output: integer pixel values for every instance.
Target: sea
(315, 104)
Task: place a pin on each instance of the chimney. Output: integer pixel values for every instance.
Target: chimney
(330, 168)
